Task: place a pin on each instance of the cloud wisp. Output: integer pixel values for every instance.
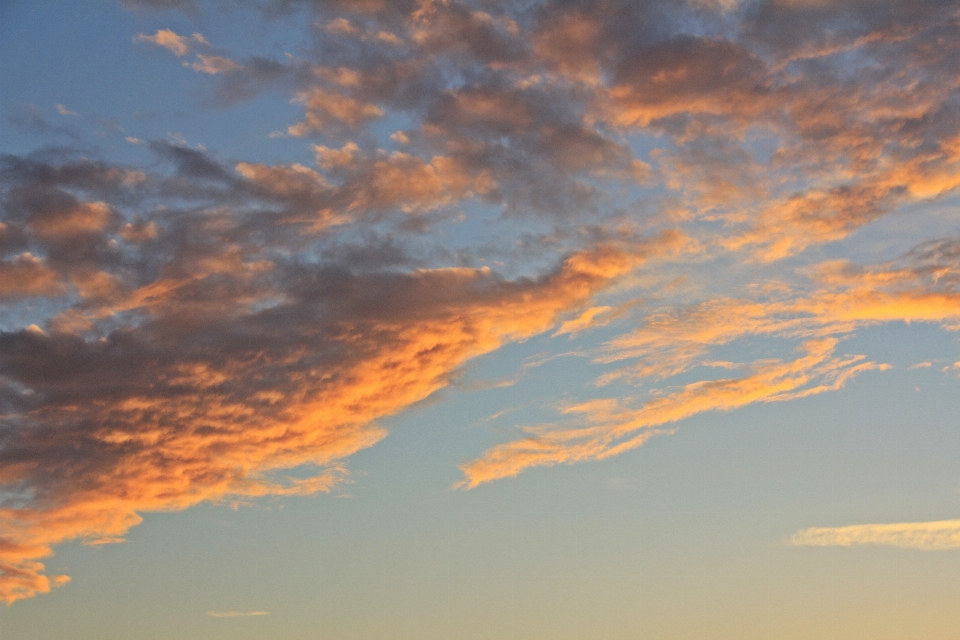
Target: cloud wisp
(837, 300)
(236, 614)
(612, 429)
(926, 536)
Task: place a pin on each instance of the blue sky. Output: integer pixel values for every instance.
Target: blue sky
(469, 319)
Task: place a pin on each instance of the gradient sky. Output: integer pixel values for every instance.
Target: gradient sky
(429, 319)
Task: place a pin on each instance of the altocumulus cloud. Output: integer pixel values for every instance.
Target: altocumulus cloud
(197, 327)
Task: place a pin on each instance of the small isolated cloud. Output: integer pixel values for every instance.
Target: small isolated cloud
(341, 26)
(176, 44)
(62, 110)
(921, 365)
(213, 65)
(927, 536)
(236, 614)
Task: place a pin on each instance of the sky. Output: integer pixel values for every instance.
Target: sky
(351, 319)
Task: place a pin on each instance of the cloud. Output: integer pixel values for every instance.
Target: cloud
(197, 360)
(325, 107)
(233, 394)
(236, 614)
(175, 44)
(213, 64)
(365, 186)
(29, 117)
(612, 429)
(205, 330)
(584, 321)
(834, 108)
(919, 287)
(451, 27)
(27, 276)
(926, 536)
(836, 299)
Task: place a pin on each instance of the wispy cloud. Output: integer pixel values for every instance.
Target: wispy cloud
(922, 286)
(236, 614)
(927, 536)
(612, 429)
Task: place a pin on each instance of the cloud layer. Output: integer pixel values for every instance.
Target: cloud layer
(201, 329)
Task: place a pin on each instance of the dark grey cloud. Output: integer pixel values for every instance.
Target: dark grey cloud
(31, 118)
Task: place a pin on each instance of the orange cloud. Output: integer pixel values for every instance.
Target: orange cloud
(842, 299)
(178, 45)
(688, 75)
(84, 218)
(213, 64)
(413, 184)
(216, 346)
(568, 42)
(324, 108)
(921, 289)
(584, 321)
(362, 186)
(27, 276)
(297, 384)
(787, 226)
(612, 430)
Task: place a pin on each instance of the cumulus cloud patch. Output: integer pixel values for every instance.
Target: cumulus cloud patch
(169, 40)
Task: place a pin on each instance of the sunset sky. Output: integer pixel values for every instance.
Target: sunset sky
(452, 319)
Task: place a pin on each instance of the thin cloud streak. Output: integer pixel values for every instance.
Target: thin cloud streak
(236, 614)
(927, 536)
